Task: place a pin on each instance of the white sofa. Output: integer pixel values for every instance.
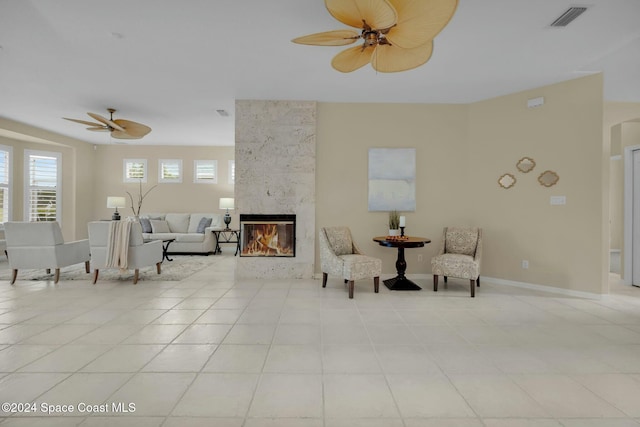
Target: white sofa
(184, 228)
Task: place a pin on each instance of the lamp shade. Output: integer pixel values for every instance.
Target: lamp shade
(116, 202)
(226, 203)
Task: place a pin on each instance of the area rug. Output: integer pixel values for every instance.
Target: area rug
(180, 268)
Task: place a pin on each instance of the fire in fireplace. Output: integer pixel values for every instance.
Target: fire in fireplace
(267, 235)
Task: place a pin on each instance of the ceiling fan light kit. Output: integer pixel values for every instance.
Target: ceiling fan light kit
(119, 128)
(397, 35)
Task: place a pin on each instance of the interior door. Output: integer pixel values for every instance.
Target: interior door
(635, 275)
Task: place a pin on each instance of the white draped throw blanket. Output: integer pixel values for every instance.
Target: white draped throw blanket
(118, 244)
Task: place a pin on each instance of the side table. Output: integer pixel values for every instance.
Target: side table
(226, 236)
(400, 282)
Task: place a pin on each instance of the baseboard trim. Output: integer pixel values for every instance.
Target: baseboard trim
(544, 288)
(505, 282)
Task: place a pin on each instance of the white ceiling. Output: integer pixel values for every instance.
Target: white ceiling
(171, 64)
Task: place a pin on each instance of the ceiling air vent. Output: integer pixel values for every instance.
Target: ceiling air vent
(567, 17)
(223, 113)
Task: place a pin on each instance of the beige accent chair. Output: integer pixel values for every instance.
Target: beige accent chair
(340, 256)
(34, 245)
(140, 254)
(460, 256)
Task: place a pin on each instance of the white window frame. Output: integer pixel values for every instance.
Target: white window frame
(27, 181)
(125, 170)
(232, 172)
(197, 179)
(8, 185)
(169, 162)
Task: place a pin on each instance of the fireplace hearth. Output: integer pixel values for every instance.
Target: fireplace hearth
(267, 235)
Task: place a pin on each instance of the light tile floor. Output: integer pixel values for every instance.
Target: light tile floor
(214, 351)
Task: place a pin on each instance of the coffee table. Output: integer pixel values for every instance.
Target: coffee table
(165, 247)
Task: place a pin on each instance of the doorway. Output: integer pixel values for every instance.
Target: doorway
(632, 215)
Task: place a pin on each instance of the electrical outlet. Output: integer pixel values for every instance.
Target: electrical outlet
(525, 264)
(420, 258)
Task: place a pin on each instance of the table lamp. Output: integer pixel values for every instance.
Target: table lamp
(226, 203)
(116, 202)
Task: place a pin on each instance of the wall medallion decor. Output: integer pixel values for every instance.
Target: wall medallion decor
(526, 164)
(548, 178)
(507, 181)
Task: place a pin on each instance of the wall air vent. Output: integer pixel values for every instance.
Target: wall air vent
(567, 17)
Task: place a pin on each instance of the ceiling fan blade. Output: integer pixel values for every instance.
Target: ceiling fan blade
(391, 59)
(83, 122)
(134, 129)
(353, 58)
(123, 135)
(107, 122)
(329, 38)
(99, 118)
(419, 21)
(378, 14)
(98, 129)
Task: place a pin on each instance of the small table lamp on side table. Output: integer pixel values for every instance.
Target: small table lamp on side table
(116, 202)
(227, 203)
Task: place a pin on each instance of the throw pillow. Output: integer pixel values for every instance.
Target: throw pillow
(204, 223)
(158, 226)
(146, 225)
(340, 240)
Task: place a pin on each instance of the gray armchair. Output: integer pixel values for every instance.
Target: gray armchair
(340, 256)
(460, 256)
(34, 245)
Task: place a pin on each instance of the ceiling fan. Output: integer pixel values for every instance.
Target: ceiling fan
(397, 34)
(119, 128)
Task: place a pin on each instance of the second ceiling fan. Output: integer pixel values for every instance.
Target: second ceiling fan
(119, 128)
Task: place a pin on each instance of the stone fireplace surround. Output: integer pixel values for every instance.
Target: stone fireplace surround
(275, 155)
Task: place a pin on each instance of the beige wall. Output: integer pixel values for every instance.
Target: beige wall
(183, 197)
(345, 132)
(77, 173)
(563, 244)
(461, 152)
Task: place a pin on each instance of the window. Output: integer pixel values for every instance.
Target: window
(5, 182)
(43, 183)
(205, 171)
(232, 171)
(169, 170)
(135, 170)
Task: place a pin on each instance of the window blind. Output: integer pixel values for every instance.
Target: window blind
(4, 185)
(42, 188)
(205, 171)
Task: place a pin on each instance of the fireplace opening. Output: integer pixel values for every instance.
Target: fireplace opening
(267, 235)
